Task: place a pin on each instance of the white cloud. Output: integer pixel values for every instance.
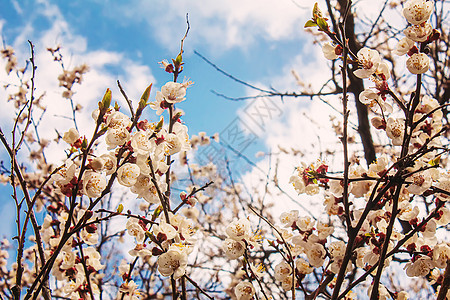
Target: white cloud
(17, 7)
(221, 24)
(302, 125)
(105, 68)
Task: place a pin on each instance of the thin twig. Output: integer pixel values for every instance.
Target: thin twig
(130, 104)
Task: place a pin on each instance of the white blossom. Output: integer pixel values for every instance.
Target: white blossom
(142, 186)
(337, 249)
(373, 99)
(233, 249)
(110, 163)
(168, 230)
(118, 120)
(173, 262)
(282, 270)
(324, 230)
(71, 136)
(407, 211)
(289, 218)
(66, 173)
(141, 251)
(90, 238)
(239, 230)
(135, 229)
(312, 189)
(68, 258)
(418, 33)
(172, 92)
(303, 266)
(298, 183)
(441, 254)
(286, 283)
(395, 129)
(190, 212)
(141, 142)
(181, 131)
(127, 174)
(420, 182)
(430, 229)
(93, 258)
(444, 216)
(329, 51)
(130, 289)
(443, 184)
(93, 184)
(116, 137)
(417, 11)
(316, 254)
(305, 223)
(403, 46)
(418, 63)
(172, 144)
(419, 268)
(244, 290)
(369, 60)
(402, 295)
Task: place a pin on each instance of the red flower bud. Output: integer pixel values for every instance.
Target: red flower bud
(161, 237)
(91, 228)
(156, 251)
(412, 51)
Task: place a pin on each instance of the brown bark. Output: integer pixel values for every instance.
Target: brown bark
(445, 283)
(356, 87)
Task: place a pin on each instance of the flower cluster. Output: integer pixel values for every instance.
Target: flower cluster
(417, 13)
(239, 235)
(307, 178)
(137, 158)
(74, 263)
(379, 205)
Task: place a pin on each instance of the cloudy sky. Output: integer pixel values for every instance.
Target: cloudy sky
(257, 41)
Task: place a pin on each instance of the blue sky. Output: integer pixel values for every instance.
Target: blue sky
(258, 41)
(241, 45)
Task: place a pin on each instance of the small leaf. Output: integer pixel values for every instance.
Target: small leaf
(323, 25)
(151, 237)
(316, 11)
(106, 101)
(159, 125)
(102, 131)
(84, 144)
(146, 95)
(120, 208)
(157, 212)
(310, 23)
(179, 60)
(435, 162)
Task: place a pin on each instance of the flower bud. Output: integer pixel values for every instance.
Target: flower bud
(156, 251)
